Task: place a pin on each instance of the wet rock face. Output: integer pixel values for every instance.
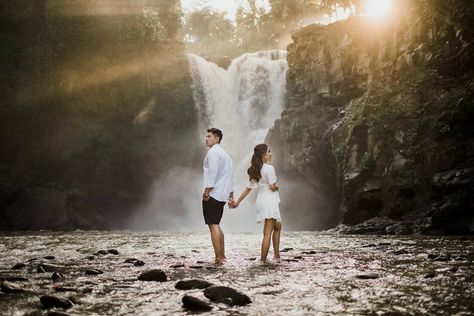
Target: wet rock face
(377, 122)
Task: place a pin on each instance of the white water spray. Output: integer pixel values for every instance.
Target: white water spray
(243, 101)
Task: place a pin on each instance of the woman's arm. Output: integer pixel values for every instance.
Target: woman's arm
(242, 196)
(274, 187)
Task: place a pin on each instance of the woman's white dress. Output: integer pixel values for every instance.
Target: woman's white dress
(267, 200)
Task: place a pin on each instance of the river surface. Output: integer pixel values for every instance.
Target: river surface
(322, 274)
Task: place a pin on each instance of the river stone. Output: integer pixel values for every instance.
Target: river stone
(93, 272)
(8, 287)
(48, 267)
(195, 304)
(139, 263)
(113, 251)
(192, 284)
(56, 313)
(179, 265)
(368, 276)
(14, 278)
(18, 266)
(50, 301)
(227, 295)
(102, 252)
(65, 289)
(130, 260)
(153, 275)
(56, 276)
(50, 257)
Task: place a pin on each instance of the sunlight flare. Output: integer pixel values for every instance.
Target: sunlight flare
(378, 8)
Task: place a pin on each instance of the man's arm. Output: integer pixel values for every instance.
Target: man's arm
(210, 174)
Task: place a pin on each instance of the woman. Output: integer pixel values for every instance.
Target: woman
(262, 176)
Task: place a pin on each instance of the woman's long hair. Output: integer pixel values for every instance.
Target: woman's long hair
(257, 162)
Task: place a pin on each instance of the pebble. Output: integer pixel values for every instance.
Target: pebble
(195, 304)
(50, 257)
(153, 275)
(18, 266)
(56, 276)
(113, 251)
(65, 289)
(368, 276)
(175, 266)
(139, 263)
(130, 260)
(226, 295)
(102, 252)
(286, 249)
(192, 284)
(196, 267)
(8, 287)
(430, 275)
(56, 313)
(48, 267)
(15, 278)
(50, 301)
(93, 272)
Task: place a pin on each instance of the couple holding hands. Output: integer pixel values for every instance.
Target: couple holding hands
(218, 190)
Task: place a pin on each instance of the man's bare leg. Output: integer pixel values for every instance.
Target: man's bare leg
(222, 244)
(216, 239)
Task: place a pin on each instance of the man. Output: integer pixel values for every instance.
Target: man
(218, 189)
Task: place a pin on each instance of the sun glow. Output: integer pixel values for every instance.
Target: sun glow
(378, 8)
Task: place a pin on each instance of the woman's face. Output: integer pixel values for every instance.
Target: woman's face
(268, 155)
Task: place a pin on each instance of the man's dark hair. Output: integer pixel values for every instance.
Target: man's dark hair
(216, 132)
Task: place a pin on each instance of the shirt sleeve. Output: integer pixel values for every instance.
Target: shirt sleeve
(252, 184)
(210, 172)
(271, 175)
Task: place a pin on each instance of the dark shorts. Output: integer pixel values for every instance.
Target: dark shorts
(212, 210)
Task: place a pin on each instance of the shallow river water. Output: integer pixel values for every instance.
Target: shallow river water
(320, 274)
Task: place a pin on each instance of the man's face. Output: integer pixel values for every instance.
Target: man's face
(211, 139)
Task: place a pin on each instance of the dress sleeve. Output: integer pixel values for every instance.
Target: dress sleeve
(252, 184)
(271, 175)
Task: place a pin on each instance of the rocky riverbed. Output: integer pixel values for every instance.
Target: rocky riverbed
(102, 273)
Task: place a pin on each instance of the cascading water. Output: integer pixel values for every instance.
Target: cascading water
(243, 101)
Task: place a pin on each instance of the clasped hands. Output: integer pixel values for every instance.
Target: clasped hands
(232, 203)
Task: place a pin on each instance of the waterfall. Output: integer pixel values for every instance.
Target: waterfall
(243, 101)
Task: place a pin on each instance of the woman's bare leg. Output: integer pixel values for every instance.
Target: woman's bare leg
(267, 236)
(276, 239)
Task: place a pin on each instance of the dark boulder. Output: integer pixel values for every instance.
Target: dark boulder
(192, 284)
(227, 295)
(153, 275)
(50, 301)
(195, 304)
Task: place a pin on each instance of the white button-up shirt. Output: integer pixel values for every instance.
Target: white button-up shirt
(218, 173)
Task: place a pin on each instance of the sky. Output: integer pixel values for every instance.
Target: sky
(230, 6)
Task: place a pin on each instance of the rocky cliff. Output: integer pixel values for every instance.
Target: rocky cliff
(378, 118)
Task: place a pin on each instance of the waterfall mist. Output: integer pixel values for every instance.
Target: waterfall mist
(243, 101)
